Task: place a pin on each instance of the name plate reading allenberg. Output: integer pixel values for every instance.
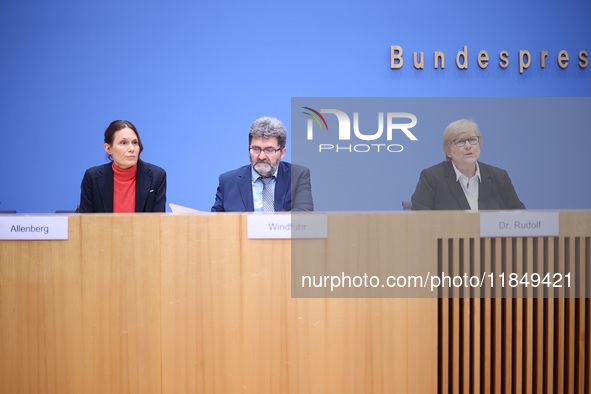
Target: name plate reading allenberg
(286, 226)
(519, 224)
(14, 227)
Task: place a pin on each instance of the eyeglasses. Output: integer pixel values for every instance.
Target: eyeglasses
(462, 141)
(268, 150)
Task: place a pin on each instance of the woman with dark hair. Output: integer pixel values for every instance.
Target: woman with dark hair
(126, 184)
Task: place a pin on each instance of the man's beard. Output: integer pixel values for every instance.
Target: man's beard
(264, 168)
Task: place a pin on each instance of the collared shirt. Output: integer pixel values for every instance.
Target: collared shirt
(470, 186)
(257, 189)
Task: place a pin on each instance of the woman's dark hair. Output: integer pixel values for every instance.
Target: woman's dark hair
(117, 125)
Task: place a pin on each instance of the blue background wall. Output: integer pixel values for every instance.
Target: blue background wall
(193, 76)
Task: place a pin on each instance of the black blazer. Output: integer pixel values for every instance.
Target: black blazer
(438, 189)
(234, 193)
(97, 189)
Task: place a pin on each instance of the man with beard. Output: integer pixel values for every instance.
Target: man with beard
(267, 184)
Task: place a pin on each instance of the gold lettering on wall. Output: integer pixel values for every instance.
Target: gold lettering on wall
(583, 61)
(504, 59)
(439, 59)
(420, 64)
(396, 57)
(524, 57)
(524, 60)
(543, 56)
(562, 59)
(462, 59)
(483, 59)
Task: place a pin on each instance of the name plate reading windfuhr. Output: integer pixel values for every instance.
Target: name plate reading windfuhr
(16, 227)
(519, 224)
(286, 226)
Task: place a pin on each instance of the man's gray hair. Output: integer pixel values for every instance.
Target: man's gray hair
(267, 127)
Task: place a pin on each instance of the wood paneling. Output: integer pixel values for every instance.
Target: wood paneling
(156, 303)
(532, 343)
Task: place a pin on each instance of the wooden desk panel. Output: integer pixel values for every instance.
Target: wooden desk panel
(156, 303)
(237, 329)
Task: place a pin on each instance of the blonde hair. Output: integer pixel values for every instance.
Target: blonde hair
(459, 129)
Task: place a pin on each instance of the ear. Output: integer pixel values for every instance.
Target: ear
(448, 151)
(107, 148)
(283, 153)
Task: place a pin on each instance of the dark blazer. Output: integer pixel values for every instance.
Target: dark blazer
(97, 189)
(234, 193)
(438, 189)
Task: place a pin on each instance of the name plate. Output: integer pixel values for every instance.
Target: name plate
(15, 227)
(286, 226)
(519, 224)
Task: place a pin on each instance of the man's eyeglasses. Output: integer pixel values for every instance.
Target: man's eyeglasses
(268, 150)
(462, 141)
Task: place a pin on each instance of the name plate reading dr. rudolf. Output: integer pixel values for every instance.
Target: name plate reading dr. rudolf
(16, 227)
(286, 226)
(518, 224)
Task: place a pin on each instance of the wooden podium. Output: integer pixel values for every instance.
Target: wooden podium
(164, 303)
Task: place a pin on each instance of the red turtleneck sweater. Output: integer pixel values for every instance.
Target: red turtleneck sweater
(124, 189)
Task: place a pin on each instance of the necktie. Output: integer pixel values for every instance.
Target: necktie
(268, 203)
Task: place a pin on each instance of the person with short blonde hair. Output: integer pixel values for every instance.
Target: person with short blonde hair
(462, 181)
